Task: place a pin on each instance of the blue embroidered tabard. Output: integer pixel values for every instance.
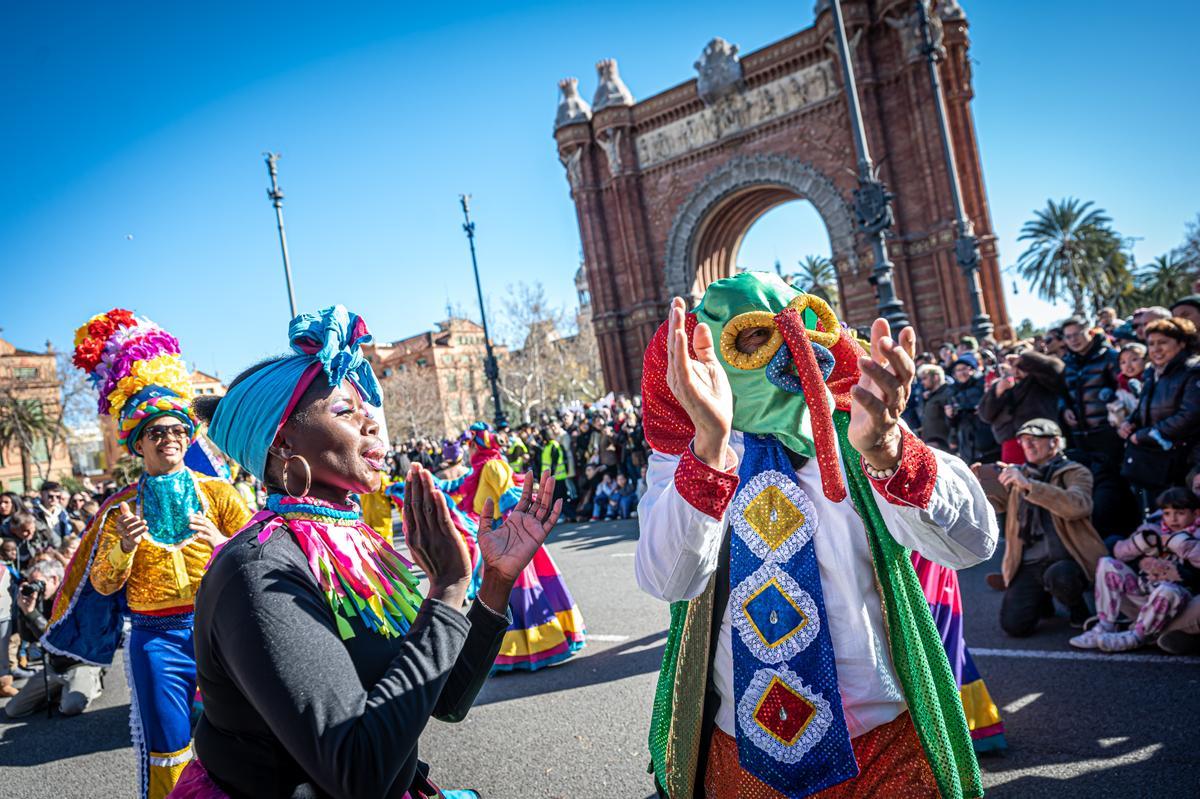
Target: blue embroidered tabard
(166, 501)
(791, 732)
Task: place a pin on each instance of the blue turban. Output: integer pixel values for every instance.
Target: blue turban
(249, 416)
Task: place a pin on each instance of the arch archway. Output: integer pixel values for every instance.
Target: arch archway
(705, 235)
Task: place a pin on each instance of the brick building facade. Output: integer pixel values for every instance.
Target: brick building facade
(32, 376)
(433, 382)
(666, 188)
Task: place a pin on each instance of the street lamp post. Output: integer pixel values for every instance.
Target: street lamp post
(276, 196)
(872, 200)
(490, 367)
(966, 245)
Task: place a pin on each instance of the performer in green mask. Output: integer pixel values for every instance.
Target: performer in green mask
(784, 499)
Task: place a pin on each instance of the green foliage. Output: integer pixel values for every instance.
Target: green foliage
(1073, 254)
(818, 276)
(1164, 280)
(1027, 329)
(72, 484)
(126, 471)
(25, 426)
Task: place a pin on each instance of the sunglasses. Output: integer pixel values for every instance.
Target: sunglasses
(163, 432)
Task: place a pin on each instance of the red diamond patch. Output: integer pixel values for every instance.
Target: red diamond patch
(783, 712)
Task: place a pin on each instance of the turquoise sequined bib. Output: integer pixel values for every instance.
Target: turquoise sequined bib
(166, 501)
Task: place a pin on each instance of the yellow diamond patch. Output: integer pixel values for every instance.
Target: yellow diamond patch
(773, 516)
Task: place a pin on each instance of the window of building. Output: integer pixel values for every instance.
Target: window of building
(40, 453)
(25, 372)
(452, 382)
(455, 407)
(422, 362)
(387, 372)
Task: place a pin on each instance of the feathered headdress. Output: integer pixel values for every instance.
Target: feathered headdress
(135, 367)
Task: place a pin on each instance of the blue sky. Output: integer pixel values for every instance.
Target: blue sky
(133, 136)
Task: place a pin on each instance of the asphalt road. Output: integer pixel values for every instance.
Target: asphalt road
(1079, 724)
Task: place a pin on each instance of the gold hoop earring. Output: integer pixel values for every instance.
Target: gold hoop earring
(307, 476)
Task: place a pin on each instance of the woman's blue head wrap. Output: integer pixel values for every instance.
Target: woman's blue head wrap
(249, 416)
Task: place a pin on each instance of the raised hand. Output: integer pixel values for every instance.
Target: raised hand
(700, 386)
(206, 530)
(433, 540)
(131, 528)
(881, 395)
(508, 549)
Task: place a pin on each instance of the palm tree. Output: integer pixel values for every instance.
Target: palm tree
(23, 425)
(818, 276)
(1164, 280)
(126, 471)
(1072, 252)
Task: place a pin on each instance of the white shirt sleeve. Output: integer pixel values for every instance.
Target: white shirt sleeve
(678, 545)
(957, 528)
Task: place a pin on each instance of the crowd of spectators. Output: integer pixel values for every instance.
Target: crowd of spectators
(597, 454)
(1080, 436)
(39, 534)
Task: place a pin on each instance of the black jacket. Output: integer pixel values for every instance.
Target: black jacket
(1088, 375)
(1035, 396)
(935, 425)
(292, 710)
(1170, 403)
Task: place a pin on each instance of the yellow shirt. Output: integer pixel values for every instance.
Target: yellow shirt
(157, 579)
(495, 478)
(377, 510)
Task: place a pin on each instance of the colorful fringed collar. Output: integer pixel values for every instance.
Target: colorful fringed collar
(357, 570)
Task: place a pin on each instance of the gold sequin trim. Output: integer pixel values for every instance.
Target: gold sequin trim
(827, 337)
(760, 357)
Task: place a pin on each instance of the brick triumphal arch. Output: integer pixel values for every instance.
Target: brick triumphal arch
(666, 188)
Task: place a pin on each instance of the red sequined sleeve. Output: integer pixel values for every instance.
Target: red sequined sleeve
(706, 489)
(912, 484)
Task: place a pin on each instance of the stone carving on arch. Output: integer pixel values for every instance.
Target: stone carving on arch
(742, 174)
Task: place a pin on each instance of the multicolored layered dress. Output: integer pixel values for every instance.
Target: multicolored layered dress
(945, 603)
(547, 627)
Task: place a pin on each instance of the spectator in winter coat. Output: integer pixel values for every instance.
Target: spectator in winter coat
(1030, 388)
(1188, 308)
(972, 437)
(1144, 316)
(1092, 367)
(935, 423)
(1050, 546)
(1162, 435)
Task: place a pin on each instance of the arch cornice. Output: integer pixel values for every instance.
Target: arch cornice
(737, 176)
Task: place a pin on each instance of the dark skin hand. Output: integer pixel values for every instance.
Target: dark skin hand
(433, 540)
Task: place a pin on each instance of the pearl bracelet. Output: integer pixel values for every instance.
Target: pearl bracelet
(877, 474)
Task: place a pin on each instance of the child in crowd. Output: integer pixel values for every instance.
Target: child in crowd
(623, 501)
(1129, 384)
(66, 550)
(1167, 560)
(604, 493)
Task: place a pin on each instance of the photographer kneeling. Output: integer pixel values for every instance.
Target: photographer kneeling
(1050, 546)
(72, 682)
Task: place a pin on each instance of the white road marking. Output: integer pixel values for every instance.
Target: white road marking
(624, 554)
(602, 637)
(1106, 743)
(1022, 703)
(1072, 769)
(1118, 657)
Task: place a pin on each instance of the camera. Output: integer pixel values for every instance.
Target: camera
(33, 588)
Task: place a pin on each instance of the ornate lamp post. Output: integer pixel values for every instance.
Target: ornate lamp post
(872, 200)
(490, 367)
(275, 194)
(966, 245)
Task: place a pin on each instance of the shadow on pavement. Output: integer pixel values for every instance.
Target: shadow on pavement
(608, 665)
(36, 740)
(593, 535)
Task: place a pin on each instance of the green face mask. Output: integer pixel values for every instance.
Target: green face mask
(758, 405)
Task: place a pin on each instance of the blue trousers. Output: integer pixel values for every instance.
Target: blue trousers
(161, 666)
